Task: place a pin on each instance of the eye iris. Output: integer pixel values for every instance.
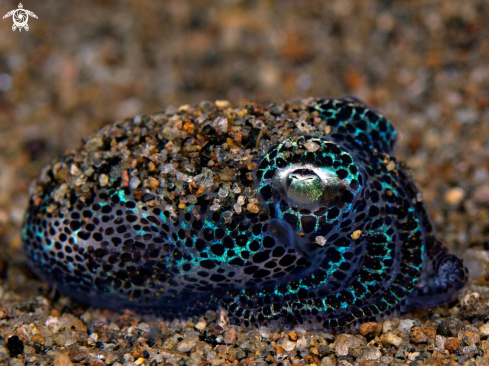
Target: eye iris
(305, 187)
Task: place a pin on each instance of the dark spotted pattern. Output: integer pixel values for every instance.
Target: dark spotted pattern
(340, 235)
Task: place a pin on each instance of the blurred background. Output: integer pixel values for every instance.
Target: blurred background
(87, 63)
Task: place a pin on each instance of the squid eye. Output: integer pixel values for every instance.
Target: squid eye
(305, 188)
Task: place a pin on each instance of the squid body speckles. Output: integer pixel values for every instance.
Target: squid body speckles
(281, 214)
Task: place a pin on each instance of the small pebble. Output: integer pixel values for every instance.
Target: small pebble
(103, 180)
(221, 104)
(390, 325)
(418, 336)
(311, 146)
(341, 349)
(63, 360)
(370, 329)
(134, 182)
(474, 306)
(469, 349)
(484, 330)
(481, 195)
(391, 165)
(4, 354)
(440, 342)
(74, 170)
(407, 324)
(230, 336)
(351, 340)
(451, 345)
(412, 355)
(223, 192)
(201, 324)
(287, 345)
(240, 355)
(264, 332)
(471, 338)
(222, 124)
(450, 327)
(393, 339)
(252, 208)
(185, 345)
(356, 234)
(327, 361)
(227, 174)
(454, 196)
(371, 353)
(17, 362)
(320, 240)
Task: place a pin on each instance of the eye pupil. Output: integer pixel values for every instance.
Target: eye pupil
(304, 187)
